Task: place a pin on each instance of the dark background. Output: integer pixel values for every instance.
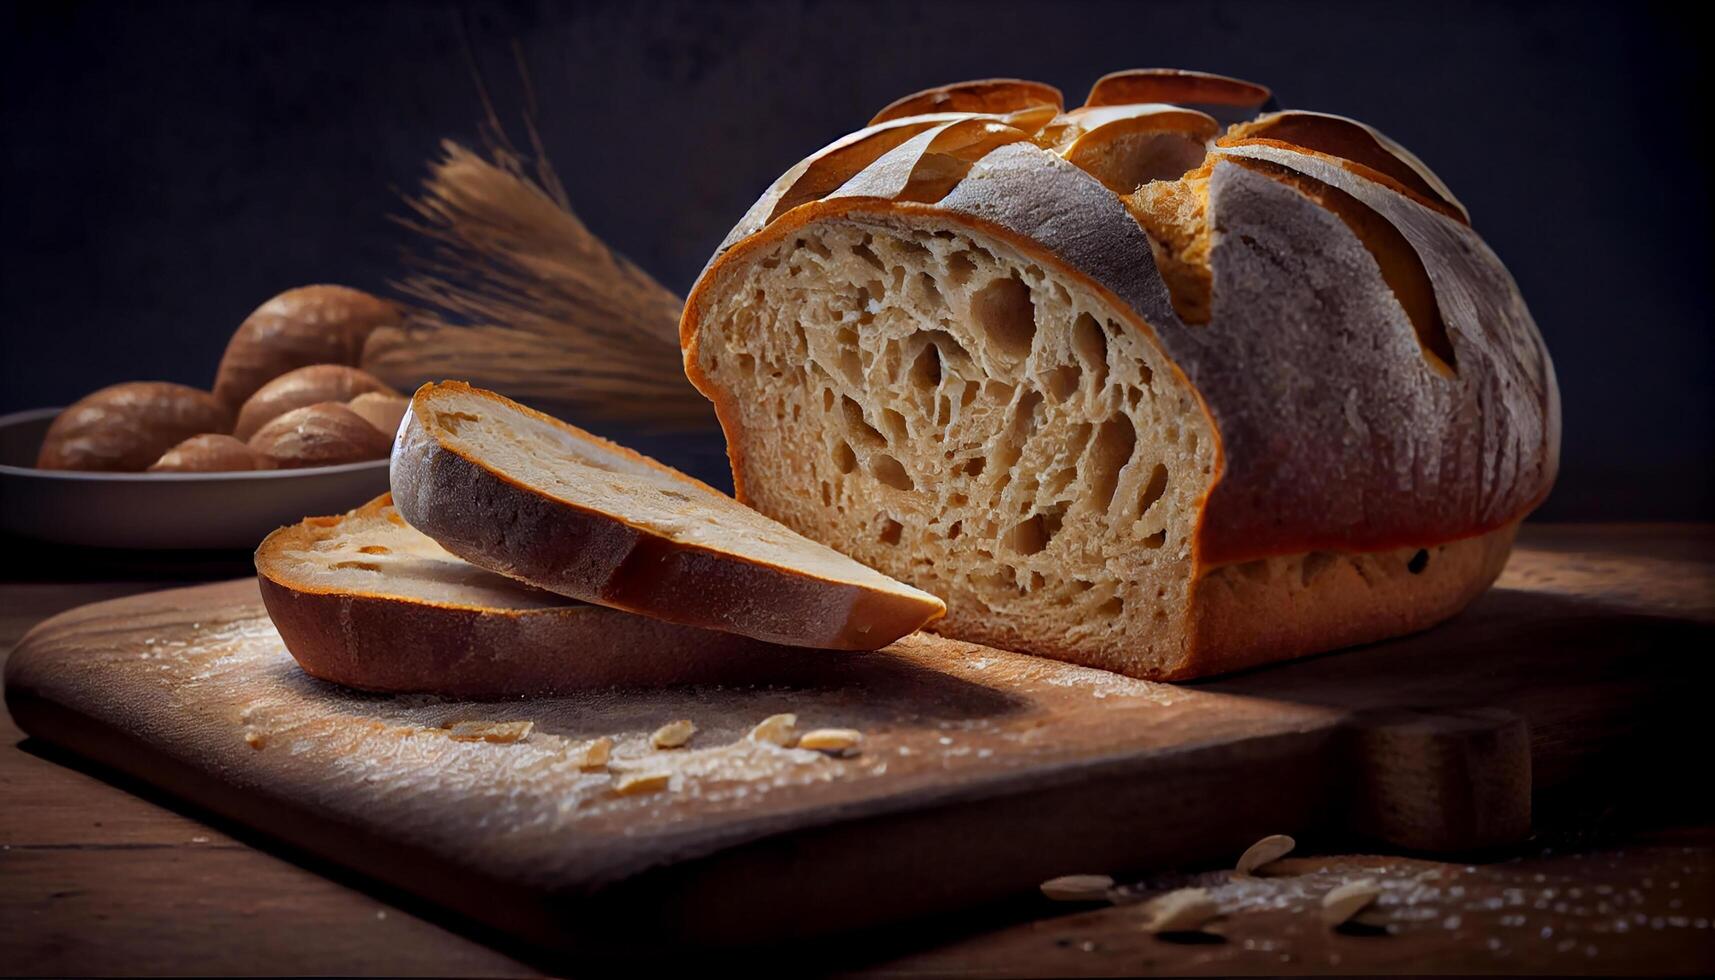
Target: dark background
(169, 166)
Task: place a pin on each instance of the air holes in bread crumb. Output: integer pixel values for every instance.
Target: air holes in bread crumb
(895, 423)
(1418, 562)
(1153, 490)
(375, 549)
(1091, 347)
(863, 251)
(1063, 381)
(953, 530)
(1003, 311)
(1111, 608)
(1155, 540)
(890, 530)
(367, 566)
(450, 421)
(857, 426)
(889, 471)
(960, 267)
(844, 458)
(925, 374)
(1109, 452)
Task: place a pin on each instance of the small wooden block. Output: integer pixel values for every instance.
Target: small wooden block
(1452, 780)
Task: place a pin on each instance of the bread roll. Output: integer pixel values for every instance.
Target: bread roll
(299, 327)
(1164, 389)
(125, 427)
(210, 452)
(323, 434)
(381, 410)
(304, 386)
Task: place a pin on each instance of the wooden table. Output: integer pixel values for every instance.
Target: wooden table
(98, 876)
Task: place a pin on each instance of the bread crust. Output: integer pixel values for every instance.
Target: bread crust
(378, 641)
(304, 386)
(126, 427)
(481, 514)
(323, 434)
(211, 452)
(321, 324)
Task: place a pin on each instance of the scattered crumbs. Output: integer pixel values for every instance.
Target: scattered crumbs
(832, 741)
(381, 913)
(781, 730)
(1266, 851)
(1180, 910)
(255, 739)
(673, 735)
(496, 732)
(199, 839)
(593, 755)
(637, 783)
(1077, 888)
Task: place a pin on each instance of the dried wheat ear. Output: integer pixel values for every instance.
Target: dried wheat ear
(1162, 384)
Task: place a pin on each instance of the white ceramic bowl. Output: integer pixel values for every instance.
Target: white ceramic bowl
(163, 510)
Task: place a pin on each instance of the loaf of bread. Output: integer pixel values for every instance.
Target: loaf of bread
(364, 600)
(299, 327)
(304, 386)
(529, 496)
(126, 427)
(323, 434)
(210, 453)
(1159, 384)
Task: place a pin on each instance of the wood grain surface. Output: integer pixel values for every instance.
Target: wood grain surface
(1632, 604)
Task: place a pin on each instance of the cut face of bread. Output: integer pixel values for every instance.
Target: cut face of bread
(531, 497)
(950, 411)
(364, 600)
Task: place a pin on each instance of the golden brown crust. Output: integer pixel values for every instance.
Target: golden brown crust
(304, 386)
(988, 95)
(1278, 608)
(323, 434)
(209, 453)
(308, 325)
(383, 640)
(483, 514)
(1175, 86)
(126, 427)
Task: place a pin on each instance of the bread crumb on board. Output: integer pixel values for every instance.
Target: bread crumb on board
(833, 741)
(1181, 910)
(781, 730)
(673, 735)
(1078, 888)
(636, 783)
(497, 732)
(1266, 851)
(596, 753)
(1344, 901)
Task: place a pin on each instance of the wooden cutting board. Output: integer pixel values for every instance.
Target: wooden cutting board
(982, 772)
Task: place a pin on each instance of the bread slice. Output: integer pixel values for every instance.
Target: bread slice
(366, 601)
(520, 493)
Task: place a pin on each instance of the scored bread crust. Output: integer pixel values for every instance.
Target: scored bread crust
(1335, 433)
(383, 638)
(476, 509)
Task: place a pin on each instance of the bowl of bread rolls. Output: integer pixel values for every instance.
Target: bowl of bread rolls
(291, 422)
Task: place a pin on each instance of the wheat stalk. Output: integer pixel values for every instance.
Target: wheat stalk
(515, 293)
